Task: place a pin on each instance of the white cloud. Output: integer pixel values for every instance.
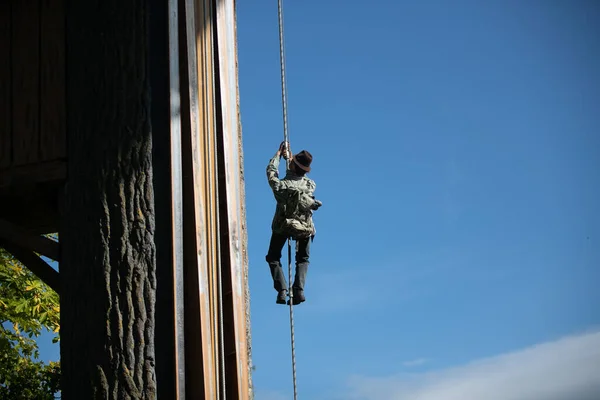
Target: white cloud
(566, 369)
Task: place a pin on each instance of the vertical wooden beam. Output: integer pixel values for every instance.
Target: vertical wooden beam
(177, 194)
(5, 84)
(26, 80)
(195, 330)
(233, 264)
(203, 196)
(206, 168)
(213, 341)
(52, 141)
(166, 128)
(202, 368)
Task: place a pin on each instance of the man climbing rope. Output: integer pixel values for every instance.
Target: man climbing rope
(293, 219)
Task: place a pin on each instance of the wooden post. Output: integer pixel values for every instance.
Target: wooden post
(108, 268)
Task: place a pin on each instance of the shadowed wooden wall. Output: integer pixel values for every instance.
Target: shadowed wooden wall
(32, 111)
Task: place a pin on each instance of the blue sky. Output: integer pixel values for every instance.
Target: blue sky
(457, 153)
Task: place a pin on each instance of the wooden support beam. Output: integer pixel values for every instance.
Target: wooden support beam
(231, 196)
(171, 347)
(204, 360)
(18, 236)
(201, 369)
(35, 264)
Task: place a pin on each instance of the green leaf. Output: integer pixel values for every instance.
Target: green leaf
(20, 307)
(29, 305)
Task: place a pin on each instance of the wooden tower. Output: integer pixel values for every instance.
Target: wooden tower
(82, 84)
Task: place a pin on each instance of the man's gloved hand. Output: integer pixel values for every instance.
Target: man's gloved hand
(316, 205)
(284, 150)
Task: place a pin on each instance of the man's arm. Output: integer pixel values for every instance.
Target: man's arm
(273, 171)
(273, 167)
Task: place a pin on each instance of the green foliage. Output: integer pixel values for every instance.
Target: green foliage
(27, 308)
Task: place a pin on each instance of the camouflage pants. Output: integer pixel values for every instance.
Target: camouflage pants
(274, 260)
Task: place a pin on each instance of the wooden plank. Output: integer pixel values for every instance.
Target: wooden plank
(200, 367)
(5, 82)
(176, 197)
(171, 350)
(207, 167)
(26, 80)
(202, 197)
(231, 195)
(52, 84)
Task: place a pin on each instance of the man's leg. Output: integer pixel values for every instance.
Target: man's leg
(302, 262)
(273, 258)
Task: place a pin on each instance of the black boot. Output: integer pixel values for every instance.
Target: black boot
(281, 297)
(298, 297)
(299, 280)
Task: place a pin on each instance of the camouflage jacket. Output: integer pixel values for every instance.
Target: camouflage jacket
(295, 202)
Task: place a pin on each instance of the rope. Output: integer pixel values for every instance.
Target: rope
(286, 138)
(292, 319)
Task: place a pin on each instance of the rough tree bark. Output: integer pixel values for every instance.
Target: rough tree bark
(107, 232)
